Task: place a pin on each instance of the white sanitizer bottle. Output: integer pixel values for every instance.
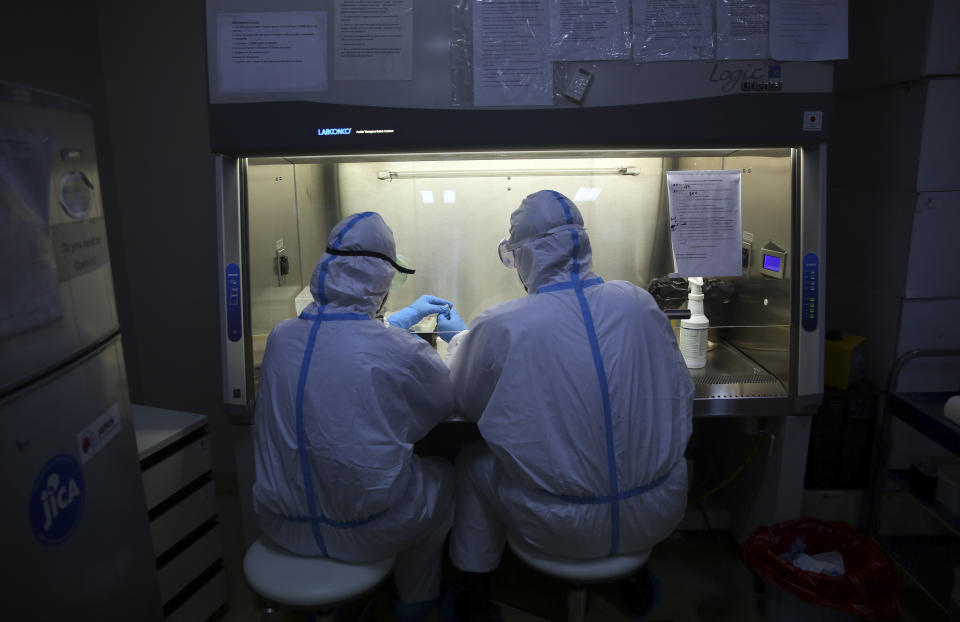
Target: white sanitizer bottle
(693, 332)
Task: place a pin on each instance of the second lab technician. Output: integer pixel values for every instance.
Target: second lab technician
(584, 402)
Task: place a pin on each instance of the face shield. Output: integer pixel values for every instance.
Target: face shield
(401, 276)
(507, 258)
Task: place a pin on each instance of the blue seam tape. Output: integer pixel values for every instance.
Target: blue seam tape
(564, 203)
(321, 297)
(302, 439)
(348, 524)
(557, 287)
(577, 285)
(607, 420)
(620, 496)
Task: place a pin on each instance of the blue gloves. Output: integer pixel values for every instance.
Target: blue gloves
(422, 307)
(449, 324)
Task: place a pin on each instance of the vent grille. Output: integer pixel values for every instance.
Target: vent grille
(712, 379)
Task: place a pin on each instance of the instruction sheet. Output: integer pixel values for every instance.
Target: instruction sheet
(373, 40)
(804, 30)
(672, 30)
(510, 53)
(590, 29)
(278, 52)
(743, 29)
(705, 222)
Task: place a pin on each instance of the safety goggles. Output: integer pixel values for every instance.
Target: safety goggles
(398, 264)
(507, 257)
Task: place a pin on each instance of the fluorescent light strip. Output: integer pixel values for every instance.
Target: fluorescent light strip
(623, 170)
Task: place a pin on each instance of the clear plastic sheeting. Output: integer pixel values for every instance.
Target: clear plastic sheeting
(585, 30)
(28, 276)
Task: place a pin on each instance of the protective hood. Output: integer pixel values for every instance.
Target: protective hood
(549, 241)
(355, 284)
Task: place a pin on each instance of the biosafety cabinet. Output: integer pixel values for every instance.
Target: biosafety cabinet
(442, 116)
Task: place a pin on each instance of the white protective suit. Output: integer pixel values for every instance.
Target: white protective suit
(583, 400)
(342, 399)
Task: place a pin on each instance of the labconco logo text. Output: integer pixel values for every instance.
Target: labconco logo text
(331, 131)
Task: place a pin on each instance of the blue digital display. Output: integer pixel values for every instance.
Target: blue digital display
(771, 263)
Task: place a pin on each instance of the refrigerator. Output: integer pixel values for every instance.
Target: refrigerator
(75, 530)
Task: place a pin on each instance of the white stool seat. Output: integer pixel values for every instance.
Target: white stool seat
(308, 582)
(579, 570)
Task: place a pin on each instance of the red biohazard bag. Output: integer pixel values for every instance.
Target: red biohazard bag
(869, 589)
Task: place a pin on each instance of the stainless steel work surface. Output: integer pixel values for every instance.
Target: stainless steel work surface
(730, 374)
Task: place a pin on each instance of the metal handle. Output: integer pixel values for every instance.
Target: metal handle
(906, 357)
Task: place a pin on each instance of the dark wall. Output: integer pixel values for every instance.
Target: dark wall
(153, 58)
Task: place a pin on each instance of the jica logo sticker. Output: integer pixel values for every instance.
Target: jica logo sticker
(56, 501)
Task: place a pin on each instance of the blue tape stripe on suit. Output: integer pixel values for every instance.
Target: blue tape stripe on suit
(316, 519)
(302, 439)
(321, 297)
(626, 494)
(607, 420)
(577, 286)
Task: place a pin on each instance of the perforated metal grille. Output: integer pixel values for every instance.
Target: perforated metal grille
(710, 379)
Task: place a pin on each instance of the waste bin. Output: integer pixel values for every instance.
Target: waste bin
(869, 588)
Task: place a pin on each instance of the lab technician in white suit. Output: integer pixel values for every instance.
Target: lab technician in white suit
(343, 397)
(583, 401)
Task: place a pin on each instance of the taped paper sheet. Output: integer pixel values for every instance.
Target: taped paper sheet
(705, 222)
(510, 53)
(804, 30)
(277, 52)
(373, 40)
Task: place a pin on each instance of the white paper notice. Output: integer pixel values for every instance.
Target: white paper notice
(510, 47)
(28, 276)
(272, 52)
(373, 40)
(590, 29)
(705, 222)
(808, 29)
(743, 29)
(672, 30)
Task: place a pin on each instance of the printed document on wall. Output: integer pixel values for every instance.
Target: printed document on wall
(804, 30)
(510, 53)
(672, 30)
(590, 29)
(743, 29)
(373, 40)
(276, 52)
(28, 278)
(705, 222)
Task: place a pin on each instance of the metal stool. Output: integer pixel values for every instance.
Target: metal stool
(316, 584)
(579, 572)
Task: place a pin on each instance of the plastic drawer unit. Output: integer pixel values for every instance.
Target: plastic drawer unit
(177, 469)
